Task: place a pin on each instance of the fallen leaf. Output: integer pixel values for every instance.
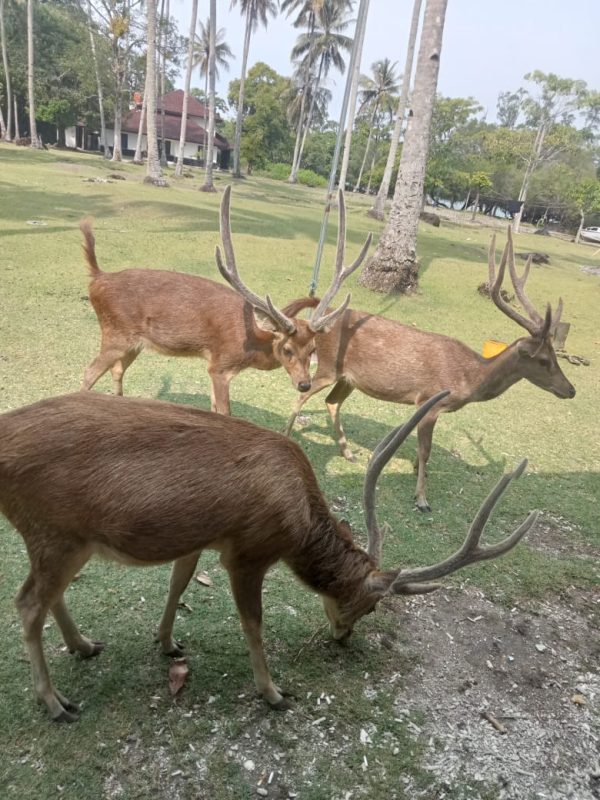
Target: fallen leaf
(204, 579)
(178, 672)
(578, 700)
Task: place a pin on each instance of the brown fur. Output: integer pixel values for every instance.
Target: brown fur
(402, 364)
(145, 482)
(185, 315)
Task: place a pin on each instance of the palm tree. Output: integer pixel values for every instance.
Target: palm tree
(201, 56)
(255, 11)
(35, 142)
(186, 90)
(90, 24)
(298, 93)
(379, 204)
(378, 95)
(9, 99)
(394, 266)
(153, 170)
(210, 135)
(359, 38)
(324, 45)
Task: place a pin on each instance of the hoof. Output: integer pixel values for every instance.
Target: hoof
(97, 648)
(177, 651)
(65, 716)
(423, 506)
(283, 704)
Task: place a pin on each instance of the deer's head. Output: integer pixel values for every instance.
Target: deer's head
(293, 340)
(537, 358)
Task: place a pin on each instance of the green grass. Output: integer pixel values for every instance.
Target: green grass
(48, 333)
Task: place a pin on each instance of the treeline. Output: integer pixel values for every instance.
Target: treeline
(538, 161)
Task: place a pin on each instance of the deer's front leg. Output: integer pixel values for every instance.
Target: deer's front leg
(181, 574)
(246, 585)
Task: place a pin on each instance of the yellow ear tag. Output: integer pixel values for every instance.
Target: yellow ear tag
(491, 348)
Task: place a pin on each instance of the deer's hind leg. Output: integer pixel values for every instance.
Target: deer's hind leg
(43, 590)
(424, 438)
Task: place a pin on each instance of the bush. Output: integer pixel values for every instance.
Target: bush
(309, 178)
(279, 172)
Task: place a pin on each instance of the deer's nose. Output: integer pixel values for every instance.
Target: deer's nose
(304, 386)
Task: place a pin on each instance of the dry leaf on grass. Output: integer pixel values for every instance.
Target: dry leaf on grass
(178, 672)
(204, 579)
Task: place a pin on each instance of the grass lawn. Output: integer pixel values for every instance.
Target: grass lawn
(133, 740)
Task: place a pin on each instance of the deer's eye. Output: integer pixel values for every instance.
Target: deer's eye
(287, 351)
(544, 362)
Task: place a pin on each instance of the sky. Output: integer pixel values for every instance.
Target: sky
(488, 46)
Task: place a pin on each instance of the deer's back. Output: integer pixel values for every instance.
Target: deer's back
(168, 311)
(150, 481)
(392, 361)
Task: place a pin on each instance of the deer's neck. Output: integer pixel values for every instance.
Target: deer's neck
(496, 375)
(329, 562)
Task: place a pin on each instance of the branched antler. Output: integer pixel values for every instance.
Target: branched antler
(537, 326)
(319, 319)
(230, 272)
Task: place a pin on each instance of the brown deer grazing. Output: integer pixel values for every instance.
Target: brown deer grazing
(186, 315)
(390, 361)
(145, 482)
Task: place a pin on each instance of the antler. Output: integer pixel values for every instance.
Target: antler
(230, 273)
(380, 457)
(470, 552)
(536, 325)
(417, 580)
(319, 318)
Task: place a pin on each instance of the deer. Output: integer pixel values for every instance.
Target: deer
(146, 482)
(230, 326)
(390, 361)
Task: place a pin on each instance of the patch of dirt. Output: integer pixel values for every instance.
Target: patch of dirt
(557, 536)
(535, 670)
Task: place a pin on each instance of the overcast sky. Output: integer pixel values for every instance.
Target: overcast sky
(488, 46)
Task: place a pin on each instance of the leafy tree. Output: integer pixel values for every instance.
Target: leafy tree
(586, 196)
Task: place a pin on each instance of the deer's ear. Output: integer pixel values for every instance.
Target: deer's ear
(528, 348)
(379, 582)
(264, 321)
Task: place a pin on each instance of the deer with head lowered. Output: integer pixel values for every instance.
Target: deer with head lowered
(145, 482)
(186, 315)
(401, 364)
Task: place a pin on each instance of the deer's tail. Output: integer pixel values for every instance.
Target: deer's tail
(89, 247)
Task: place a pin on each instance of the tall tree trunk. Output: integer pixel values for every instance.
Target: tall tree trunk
(98, 82)
(368, 189)
(17, 131)
(205, 139)
(529, 170)
(294, 175)
(137, 156)
(370, 136)
(581, 224)
(212, 63)
(475, 206)
(162, 56)
(237, 173)
(35, 142)
(378, 209)
(394, 266)
(9, 98)
(2, 125)
(358, 44)
(153, 171)
(186, 90)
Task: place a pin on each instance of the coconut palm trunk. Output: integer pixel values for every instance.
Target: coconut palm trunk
(8, 85)
(153, 170)
(186, 90)
(35, 142)
(17, 131)
(352, 104)
(378, 208)
(137, 156)
(394, 266)
(367, 148)
(240, 109)
(294, 176)
(98, 82)
(164, 22)
(212, 63)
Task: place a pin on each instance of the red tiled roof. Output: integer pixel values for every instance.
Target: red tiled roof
(173, 102)
(194, 132)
